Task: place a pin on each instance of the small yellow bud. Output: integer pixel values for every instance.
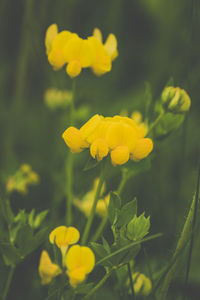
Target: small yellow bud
(142, 284)
(73, 138)
(99, 149)
(120, 155)
(80, 261)
(47, 269)
(175, 99)
(142, 149)
(73, 68)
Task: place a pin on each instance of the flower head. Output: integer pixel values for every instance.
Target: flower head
(47, 269)
(80, 261)
(142, 284)
(175, 99)
(119, 136)
(63, 237)
(67, 48)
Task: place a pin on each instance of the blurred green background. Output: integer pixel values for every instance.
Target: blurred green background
(157, 40)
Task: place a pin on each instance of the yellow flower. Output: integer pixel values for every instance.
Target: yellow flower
(68, 48)
(142, 284)
(119, 136)
(143, 127)
(47, 269)
(86, 203)
(63, 237)
(22, 179)
(80, 261)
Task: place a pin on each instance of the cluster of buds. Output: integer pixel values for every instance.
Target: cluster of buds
(55, 98)
(175, 100)
(78, 261)
(67, 48)
(142, 284)
(119, 136)
(20, 181)
(85, 204)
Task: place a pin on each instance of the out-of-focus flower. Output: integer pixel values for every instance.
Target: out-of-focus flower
(175, 99)
(80, 261)
(63, 237)
(86, 203)
(68, 48)
(22, 179)
(55, 98)
(47, 269)
(137, 117)
(142, 284)
(119, 136)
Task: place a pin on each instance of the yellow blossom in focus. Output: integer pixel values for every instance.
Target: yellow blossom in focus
(80, 261)
(22, 179)
(121, 137)
(63, 237)
(47, 269)
(86, 203)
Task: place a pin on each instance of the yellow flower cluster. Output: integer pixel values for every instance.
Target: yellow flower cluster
(20, 181)
(55, 98)
(78, 261)
(86, 203)
(67, 48)
(119, 136)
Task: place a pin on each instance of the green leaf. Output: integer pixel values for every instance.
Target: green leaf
(91, 163)
(127, 212)
(10, 254)
(168, 123)
(113, 207)
(138, 227)
(40, 218)
(127, 247)
(24, 240)
(6, 210)
(100, 252)
(106, 245)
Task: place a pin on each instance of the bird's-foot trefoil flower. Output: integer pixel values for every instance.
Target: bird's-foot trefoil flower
(47, 269)
(64, 236)
(80, 261)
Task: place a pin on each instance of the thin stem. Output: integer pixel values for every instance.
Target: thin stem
(69, 165)
(157, 120)
(93, 209)
(192, 237)
(131, 280)
(101, 282)
(100, 229)
(123, 181)
(10, 275)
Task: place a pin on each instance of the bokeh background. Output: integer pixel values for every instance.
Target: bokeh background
(157, 40)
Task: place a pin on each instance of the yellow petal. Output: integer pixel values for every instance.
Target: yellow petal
(64, 236)
(51, 33)
(73, 138)
(80, 257)
(97, 34)
(111, 46)
(142, 149)
(73, 68)
(99, 149)
(47, 269)
(120, 155)
(90, 127)
(76, 276)
(56, 59)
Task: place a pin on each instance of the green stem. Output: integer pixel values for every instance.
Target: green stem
(131, 280)
(123, 181)
(69, 165)
(192, 237)
(5, 293)
(93, 209)
(100, 229)
(186, 232)
(157, 120)
(101, 282)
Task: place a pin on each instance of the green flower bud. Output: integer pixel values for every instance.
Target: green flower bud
(55, 99)
(138, 227)
(175, 100)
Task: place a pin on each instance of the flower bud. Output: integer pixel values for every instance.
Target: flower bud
(175, 99)
(142, 284)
